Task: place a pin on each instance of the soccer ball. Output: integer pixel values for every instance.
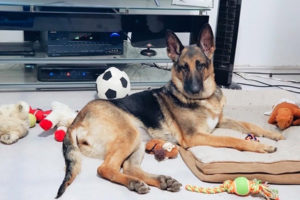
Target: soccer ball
(113, 84)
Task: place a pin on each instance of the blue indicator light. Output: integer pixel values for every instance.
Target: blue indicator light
(114, 34)
(83, 73)
(51, 74)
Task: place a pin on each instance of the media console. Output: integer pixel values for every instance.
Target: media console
(52, 19)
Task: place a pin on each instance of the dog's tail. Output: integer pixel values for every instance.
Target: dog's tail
(72, 159)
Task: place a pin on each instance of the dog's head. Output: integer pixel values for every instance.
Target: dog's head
(193, 70)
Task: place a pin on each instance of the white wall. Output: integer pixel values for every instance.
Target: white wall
(269, 33)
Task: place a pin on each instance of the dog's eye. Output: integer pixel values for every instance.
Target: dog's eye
(184, 68)
(200, 66)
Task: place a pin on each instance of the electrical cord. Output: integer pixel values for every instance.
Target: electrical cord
(270, 76)
(153, 64)
(147, 64)
(264, 86)
(248, 79)
(157, 66)
(283, 87)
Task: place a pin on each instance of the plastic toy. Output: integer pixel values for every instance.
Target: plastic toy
(161, 149)
(113, 84)
(61, 117)
(284, 115)
(240, 186)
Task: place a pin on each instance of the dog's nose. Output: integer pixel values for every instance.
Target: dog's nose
(195, 88)
(193, 85)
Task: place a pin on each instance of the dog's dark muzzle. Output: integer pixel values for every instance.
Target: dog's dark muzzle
(193, 85)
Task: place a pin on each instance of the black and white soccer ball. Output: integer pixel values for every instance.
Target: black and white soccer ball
(113, 84)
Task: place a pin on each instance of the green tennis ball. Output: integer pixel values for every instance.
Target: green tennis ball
(242, 186)
(32, 120)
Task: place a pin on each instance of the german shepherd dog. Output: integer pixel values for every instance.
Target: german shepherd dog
(186, 110)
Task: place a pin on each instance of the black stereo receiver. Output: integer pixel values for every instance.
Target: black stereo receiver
(62, 43)
(69, 73)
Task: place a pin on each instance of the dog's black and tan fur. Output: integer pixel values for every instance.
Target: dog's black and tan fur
(185, 111)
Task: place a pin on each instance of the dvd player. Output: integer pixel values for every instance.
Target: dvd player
(62, 43)
(69, 73)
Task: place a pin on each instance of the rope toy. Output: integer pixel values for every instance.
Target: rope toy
(240, 186)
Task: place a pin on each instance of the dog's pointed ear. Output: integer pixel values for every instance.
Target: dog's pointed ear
(174, 46)
(206, 41)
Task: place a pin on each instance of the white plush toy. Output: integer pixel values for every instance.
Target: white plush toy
(113, 84)
(62, 117)
(14, 120)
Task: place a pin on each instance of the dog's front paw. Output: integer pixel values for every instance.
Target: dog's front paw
(138, 186)
(9, 138)
(277, 136)
(263, 148)
(169, 183)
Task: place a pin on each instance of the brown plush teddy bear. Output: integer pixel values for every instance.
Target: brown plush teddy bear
(161, 149)
(285, 114)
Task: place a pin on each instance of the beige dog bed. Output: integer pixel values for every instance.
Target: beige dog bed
(218, 164)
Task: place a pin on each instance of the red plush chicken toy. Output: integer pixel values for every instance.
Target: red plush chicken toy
(39, 113)
(61, 117)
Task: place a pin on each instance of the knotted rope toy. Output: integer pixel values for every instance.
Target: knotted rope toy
(240, 186)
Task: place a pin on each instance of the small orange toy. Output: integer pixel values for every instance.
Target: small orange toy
(284, 115)
(161, 149)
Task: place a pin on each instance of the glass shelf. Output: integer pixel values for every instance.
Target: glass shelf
(118, 4)
(131, 55)
(14, 77)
